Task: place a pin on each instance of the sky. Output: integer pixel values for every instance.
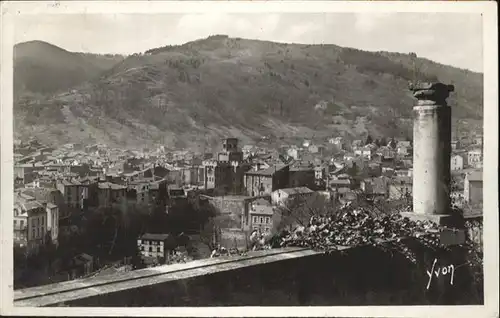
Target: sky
(449, 38)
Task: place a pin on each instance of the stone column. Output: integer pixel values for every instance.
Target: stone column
(432, 149)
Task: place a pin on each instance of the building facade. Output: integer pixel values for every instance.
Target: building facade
(30, 225)
(283, 196)
(264, 182)
(110, 194)
(473, 188)
(226, 174)
(261, 216)
(457, 163)
(474, 158)
(154, 247)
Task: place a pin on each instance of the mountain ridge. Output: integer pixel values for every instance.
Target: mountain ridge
(219, 86)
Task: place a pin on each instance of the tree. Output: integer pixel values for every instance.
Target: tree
(299, 210)
(211, 230)
(393, 144)
(377, 142)
(383, 141)
(369, 140)
(137, 261)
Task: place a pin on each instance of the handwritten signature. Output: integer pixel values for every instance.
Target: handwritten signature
(445, 270)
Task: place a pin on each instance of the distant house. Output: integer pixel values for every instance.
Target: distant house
(262, 182)
(400, 188)
(74, 194)
(455, 145)
(386, 153)
(293, 153)
(261, 216)
(344, 195)
(478, 141)
(31, 223)
(375, 188)
(338, 142)
(282, 196)
(234, 210)
(357, 144)
(474, 158)
(404, 150)
(457, 163)
(473, 188)
(80, 265)
(368, 152)
(302, 176)
(111, 193)
(316, 149)
(321, 172)
(340, 184)
(388, 172)
(154, 248)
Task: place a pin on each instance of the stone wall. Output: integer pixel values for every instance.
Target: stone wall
(360, 276)
(235, 209)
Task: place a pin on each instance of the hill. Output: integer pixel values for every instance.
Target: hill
(190, 95)
(44, 68)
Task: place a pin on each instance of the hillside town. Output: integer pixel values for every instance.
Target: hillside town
(87, 210)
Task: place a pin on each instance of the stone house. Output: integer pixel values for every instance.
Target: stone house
(474, 158)
(282, 196)
(400, 188)
(456, 163)
(154, 248)
(264, 182)
(261, 216)
(473, 188)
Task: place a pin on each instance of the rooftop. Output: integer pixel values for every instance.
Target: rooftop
(267, 172)
(299, 190)
(475, 176)
(112, 186)
(155, 237)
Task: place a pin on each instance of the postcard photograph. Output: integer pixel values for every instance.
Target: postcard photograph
(226, 156)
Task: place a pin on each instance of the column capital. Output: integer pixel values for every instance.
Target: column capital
(431, 93)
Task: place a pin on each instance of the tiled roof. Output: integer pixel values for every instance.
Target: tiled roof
(340, 182)
(403, 179)
(262, 201)
(30, 205)
(299, 190)
(475, 176)
(70, 182)
(155, 237)
(112, 186)
(267, 172)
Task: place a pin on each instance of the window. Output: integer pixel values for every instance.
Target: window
(43, 220)
(22, 223)
(15, 222)
(150, 248)
(261, 220)
(33, 234)
(267, 220)
(158, 249)
(254, 219)
(33, 222)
